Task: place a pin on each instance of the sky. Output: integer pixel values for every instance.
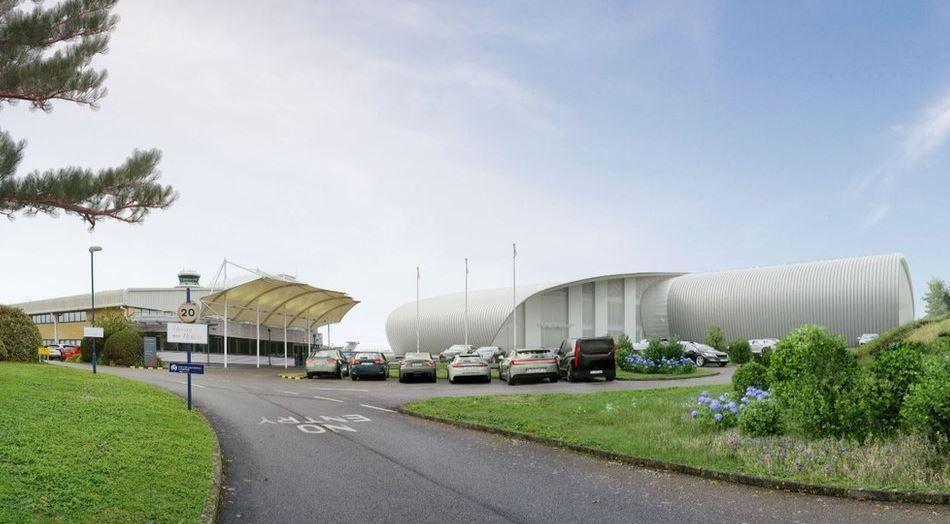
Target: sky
(347, 143)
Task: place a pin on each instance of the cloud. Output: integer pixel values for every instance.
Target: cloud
(918, 142)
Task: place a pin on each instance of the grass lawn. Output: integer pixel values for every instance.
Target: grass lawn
(697, 372)
(656, 424)
(78, 447)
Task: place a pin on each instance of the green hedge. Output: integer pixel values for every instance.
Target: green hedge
(926, 408)
(19, 338)
(110, 324)
(750, 374)
(739, 351)
(124, 348)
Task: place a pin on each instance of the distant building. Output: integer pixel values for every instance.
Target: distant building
(850, 296)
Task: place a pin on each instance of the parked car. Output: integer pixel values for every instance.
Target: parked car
(867, 337)
(449, 354)
(416, 365)
(55, 353)
(758, 344)
(520, 364)
(641, 346)
(68, 351)
(469, 366)
(702, 354)
(327, 362)
(585, 358)
(489, 353)
(370, 364)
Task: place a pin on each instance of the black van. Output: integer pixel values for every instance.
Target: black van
(581, 358)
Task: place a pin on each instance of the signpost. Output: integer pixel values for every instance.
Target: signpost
(93, 333)
(43, 352)
(190, 334)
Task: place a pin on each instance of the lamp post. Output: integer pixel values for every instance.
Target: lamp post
(466, 301)
(417, 309)
(514, 298)
(92, 298)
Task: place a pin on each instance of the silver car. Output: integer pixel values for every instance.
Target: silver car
(489, 353)
(454, 351)
(469, 366)
(521, 364)
(758, 344)
(327, 362)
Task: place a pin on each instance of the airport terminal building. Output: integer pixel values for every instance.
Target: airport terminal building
(849, 296)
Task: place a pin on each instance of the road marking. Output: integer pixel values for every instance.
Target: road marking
(327, 398)
(374, 407)
(193, 384)
(339, 389)
(286, 392)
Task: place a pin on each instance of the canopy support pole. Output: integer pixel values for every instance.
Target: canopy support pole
(258, 335)
(309, 336)
(225, 314)
(285, 340)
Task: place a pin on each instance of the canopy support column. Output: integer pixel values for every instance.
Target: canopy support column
(285, 340)
(309, 336)
(225, 314)
(258, 335)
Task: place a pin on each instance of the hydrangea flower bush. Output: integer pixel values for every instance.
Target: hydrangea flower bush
(723, 411)
(670, 366)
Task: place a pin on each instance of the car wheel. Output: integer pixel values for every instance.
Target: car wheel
(610, 378)
(402, 379)
(451, 380)
(310, 375)
(722, 364)
(339, 373)
(353, 377)
(488, 378)
(511, 380)
(570, 374)
(700, 361)
(553, 379)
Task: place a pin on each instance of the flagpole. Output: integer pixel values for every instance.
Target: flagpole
(466, 301)
(417, 309)
(514, 299)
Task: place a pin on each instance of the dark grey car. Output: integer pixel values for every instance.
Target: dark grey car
(369, 364)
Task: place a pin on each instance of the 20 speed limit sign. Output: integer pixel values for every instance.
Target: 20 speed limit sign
(188, 312)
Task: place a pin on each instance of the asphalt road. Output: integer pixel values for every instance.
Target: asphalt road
(333, 450)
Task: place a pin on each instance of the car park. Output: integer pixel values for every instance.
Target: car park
(757, 345)
(417, 365)
(369, 364)
(586, 358)
(527, 364)
(702, 354)
(453, 351)
(867, 337)
(470, 367)
(328, 362)
(489, 354)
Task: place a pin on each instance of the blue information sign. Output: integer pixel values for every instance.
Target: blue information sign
(191, 369)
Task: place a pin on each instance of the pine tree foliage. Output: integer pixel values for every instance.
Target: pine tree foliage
(46, 55)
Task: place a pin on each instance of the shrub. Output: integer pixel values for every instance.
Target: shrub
(672, 350)
(926, 408)
(124, 348)
(765, 356)
(739, 351)
(19, 338)
(714, 337)
(748, 375)
(760, 419)
(891, 376)
(110, 325)
(724, 411)
(896, 334)
(654, 350)
(639, 364)
(624, 349)
(813, 378)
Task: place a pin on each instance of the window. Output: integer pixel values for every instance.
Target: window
(615, 307)
(587, 315)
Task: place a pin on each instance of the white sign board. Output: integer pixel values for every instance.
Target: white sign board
(187, 333)
(93, 332)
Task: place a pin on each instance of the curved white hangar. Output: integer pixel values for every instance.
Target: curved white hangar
(849, 296)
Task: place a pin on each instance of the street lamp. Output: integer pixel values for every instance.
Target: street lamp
(92, 298)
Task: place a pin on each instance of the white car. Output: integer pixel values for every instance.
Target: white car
(470, 366)
(758, 344)
(454, 351)
(641, 346)
(55, 352)
(489, 353)
(867, 337)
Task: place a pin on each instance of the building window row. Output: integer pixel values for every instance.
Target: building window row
(69, 316)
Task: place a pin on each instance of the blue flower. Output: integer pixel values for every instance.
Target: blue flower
(718, 417)
(714, 405)
(693, 413)
(734, 411)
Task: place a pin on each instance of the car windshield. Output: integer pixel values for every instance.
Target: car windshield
(416, 356)
(460, 347)
(368, 356)
(535, 353)
(324, 354)
(597, 345)
(470, 360)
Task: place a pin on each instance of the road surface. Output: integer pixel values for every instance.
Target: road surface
(335, 450)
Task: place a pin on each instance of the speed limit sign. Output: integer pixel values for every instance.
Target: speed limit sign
(188, 312)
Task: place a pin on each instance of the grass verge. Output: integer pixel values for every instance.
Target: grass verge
(77, 447)
(655, 425)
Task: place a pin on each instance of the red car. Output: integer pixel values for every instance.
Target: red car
(68, 351)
